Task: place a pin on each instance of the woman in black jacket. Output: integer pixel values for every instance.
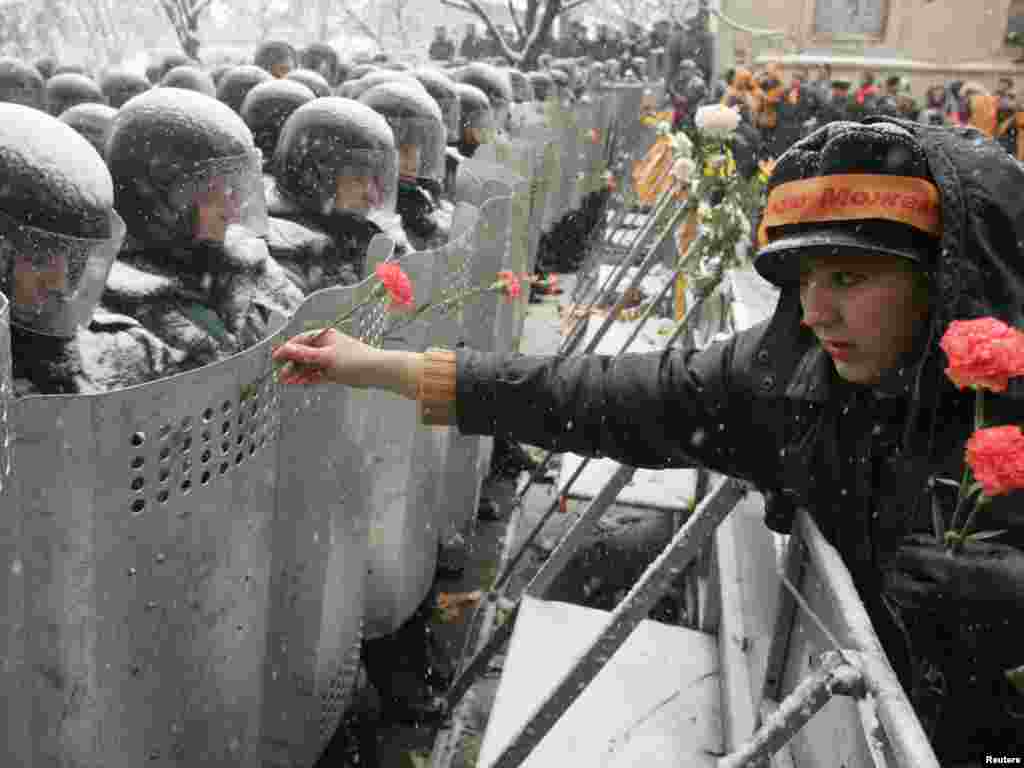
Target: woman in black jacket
(879, 235)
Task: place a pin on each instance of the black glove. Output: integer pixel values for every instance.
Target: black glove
(985, 576)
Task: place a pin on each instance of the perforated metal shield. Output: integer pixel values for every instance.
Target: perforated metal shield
(403, 456)
(318, 570)
(137, 571)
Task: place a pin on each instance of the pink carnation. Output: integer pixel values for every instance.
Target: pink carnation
(983, 354)
(996, 456)
(397, 284)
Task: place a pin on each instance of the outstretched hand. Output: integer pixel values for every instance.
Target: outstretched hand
(323, 356)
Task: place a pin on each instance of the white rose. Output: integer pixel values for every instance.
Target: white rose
(717, 120)
(683, 169)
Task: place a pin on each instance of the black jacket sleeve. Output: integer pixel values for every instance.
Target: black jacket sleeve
(658, 410)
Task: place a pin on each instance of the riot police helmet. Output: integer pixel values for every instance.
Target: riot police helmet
(356, 88)
(323, 59)
(189, 78)
(265, 109)
(65, 90)
(442, 89)
(46, 65)
(313, 80)
(59, 232)
(168, 61)
(337, 155)
(120, 85)
(417, 125)
(275, 56)
(185, 168)
(475, 116)
(494, 83)
(21, 83)
(93, 121)
(238, 81)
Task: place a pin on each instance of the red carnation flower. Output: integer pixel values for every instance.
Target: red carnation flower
(508, 281)
(996, 456)
(397, 283)
(983, 354)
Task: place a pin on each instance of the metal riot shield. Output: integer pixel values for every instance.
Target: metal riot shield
(138, 567)
(466, 458)
(6, 394)
(404, 456)
(550, 178)
(524, 159)
(319, 542)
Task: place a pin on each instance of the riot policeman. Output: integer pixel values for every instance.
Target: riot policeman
(494, 83)
(237, 82)
(336, 172)
(21, 83)
(324, 60)
(65, 90)
(442, 90)
(275, 56)
(119, 85)
(59, 235)
(266, 108)
(420, 136)
(93, 121)
(193, 270)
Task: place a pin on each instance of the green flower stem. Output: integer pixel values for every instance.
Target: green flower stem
(969, 525)
(968, 478)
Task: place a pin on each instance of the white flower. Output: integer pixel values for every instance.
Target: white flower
(664, 128)
(717, 120)
(681, 145)
(682, 170)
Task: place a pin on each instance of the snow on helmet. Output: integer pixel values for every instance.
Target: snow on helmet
(120, 85)
(177, 156)
(65, 90)
(417, 125)
(316, 82)
(442, 89)
(93, 121)
(238, 81)
(267, 107)
(335, 154)
(189, 78)
(59, 232)
(494, 83)
(21, 83)
(354, 89)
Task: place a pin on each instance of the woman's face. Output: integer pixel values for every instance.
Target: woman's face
(865, 310)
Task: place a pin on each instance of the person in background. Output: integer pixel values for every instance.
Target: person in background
(441, 47)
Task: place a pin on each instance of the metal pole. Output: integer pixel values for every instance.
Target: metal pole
(633, 609)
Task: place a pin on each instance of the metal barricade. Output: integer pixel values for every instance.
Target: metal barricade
(403, 456)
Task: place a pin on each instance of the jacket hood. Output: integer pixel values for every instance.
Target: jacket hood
(979, 271)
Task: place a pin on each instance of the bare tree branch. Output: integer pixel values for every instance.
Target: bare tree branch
(361, 25)
(457, 5)
(515, 20)
(569, 6)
